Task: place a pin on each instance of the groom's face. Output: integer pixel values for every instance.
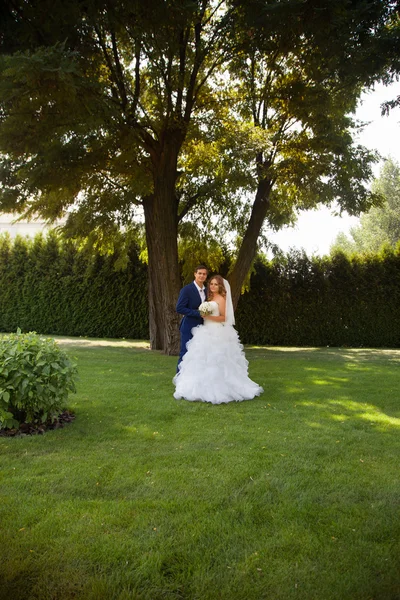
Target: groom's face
(200, 276)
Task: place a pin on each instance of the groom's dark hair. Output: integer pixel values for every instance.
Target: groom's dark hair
(200, 267)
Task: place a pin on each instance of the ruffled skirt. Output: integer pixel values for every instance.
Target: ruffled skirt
(214, 368)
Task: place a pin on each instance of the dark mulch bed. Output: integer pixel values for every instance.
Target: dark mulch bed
(38, 429)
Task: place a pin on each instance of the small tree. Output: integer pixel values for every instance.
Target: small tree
(381, 224)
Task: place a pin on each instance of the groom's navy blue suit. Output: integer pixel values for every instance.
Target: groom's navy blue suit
(188, 303)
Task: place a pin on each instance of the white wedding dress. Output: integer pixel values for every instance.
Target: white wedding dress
(214, 368)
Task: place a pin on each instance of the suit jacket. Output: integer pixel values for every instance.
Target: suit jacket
(188, 303)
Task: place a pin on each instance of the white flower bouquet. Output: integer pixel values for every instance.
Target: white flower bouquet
(205, 308)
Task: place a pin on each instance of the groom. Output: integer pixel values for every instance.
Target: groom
(190, 298)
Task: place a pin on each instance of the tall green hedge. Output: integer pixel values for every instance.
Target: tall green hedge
(53, 287)
(329, 301)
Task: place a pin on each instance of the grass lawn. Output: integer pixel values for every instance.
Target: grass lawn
(293, 495)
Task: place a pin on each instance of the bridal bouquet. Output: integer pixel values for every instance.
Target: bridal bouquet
(205, 308)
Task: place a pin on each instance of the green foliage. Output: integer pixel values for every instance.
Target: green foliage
(381, 224)
(36, 377)
(135, 110)
(85, 122)
(55, 287)
(196, 248)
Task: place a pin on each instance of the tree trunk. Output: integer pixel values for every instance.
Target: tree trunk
(160, 211)
(248, 247)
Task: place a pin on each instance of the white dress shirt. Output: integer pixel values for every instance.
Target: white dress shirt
(202, 292)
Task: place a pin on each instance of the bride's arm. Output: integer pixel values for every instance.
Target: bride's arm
(221, 317)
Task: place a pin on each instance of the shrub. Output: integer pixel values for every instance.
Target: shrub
(35, 379)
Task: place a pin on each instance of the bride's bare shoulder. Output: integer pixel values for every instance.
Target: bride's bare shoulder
(220, 300)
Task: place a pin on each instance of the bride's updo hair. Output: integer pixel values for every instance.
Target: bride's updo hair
(221, 287)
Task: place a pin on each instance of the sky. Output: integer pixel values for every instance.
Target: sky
(316, 230)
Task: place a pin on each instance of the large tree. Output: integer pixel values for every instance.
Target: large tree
(182, 110)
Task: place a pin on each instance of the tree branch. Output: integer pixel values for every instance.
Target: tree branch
(119, 76)
(114, 78)
(118, 186)
(188, 206)
(136, 93)
(183, 42)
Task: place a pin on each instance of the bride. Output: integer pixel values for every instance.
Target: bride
(214, 368)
